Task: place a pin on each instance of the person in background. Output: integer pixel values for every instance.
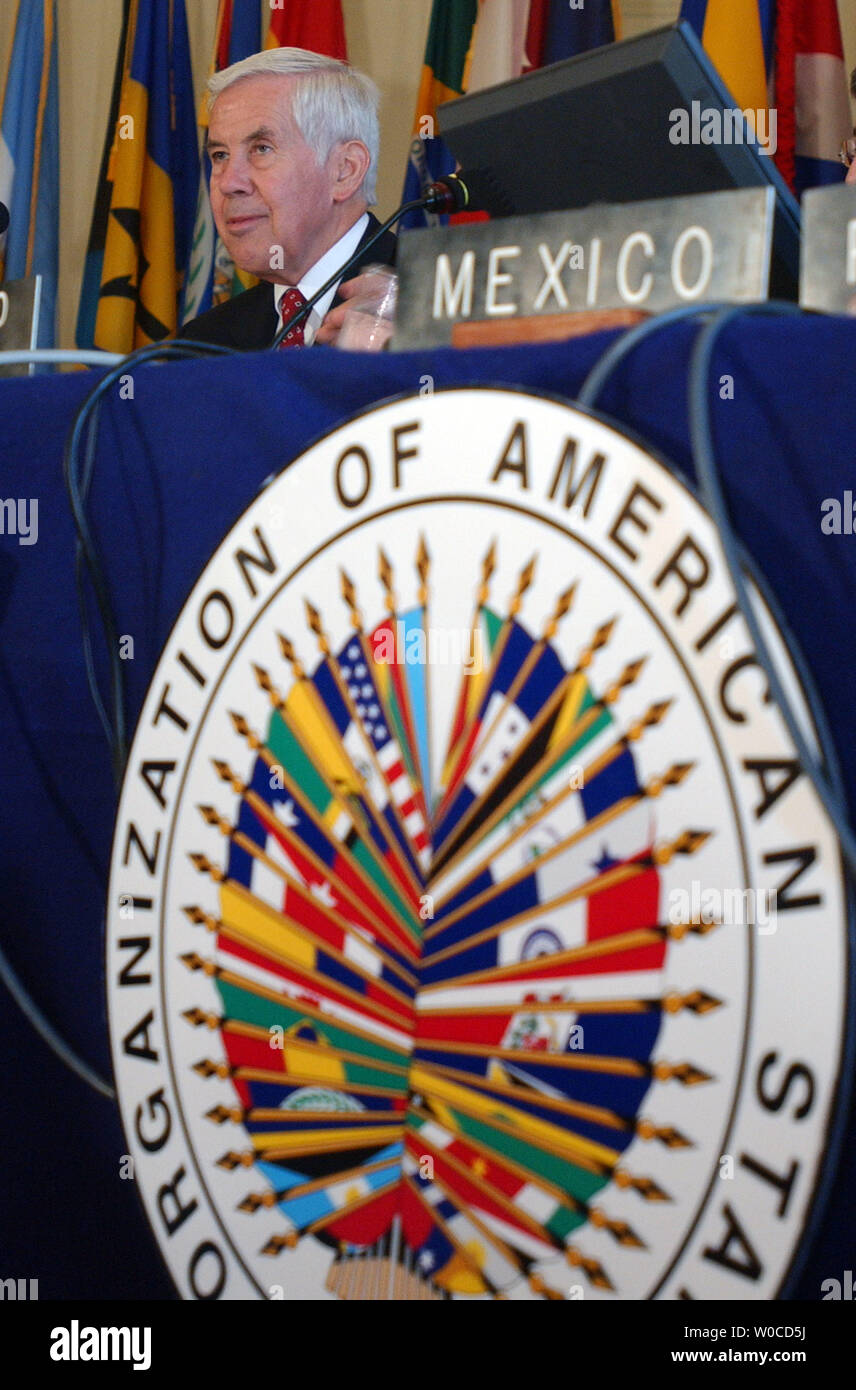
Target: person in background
(848, 149)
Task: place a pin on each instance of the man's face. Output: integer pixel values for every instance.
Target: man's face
(267, 190)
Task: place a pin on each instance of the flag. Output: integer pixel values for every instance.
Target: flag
(94, 263)
(212, 276)
(314, 1202)
(565, 31)
(810, 93)
(29, 158)
(786, 57)
(733, 37)
(473, 44)
(153, 159)
(443, 77)
(318, 27)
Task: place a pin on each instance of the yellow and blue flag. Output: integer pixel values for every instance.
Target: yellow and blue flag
(784, 56)
(153, 169)
(212, 276)
(94, 263)
(29, 158)
(732, 32)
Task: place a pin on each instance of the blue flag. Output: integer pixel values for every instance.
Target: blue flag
(212, 276)
(29, 158)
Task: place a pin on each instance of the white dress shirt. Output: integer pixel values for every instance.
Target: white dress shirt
(319, 273)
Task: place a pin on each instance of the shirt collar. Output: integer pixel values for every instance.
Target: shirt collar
(320, 272)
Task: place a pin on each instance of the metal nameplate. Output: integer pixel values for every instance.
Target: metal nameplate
(652, 256)
(828, 255)
(19, 320)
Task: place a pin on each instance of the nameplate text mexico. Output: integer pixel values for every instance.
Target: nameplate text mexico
(652, 255)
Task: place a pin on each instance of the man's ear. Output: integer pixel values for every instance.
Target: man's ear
(351, 161)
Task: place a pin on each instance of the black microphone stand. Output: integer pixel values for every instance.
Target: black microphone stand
(436, 199)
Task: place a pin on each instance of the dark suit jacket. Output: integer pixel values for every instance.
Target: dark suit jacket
(250, 321)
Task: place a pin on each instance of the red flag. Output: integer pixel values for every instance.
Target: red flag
(811, 92)
(318, 27)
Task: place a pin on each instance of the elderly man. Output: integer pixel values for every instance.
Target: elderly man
(293, 143)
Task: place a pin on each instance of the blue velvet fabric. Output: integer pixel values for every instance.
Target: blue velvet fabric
(176, 464)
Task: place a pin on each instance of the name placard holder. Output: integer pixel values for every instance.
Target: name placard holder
(828, 253)
(19, 320)
(643, 257)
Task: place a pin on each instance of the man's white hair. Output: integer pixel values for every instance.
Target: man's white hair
(332, 101)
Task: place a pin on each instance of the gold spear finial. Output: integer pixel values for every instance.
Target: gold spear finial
(629, 676)
(349, 594)
(523, 583)
(665, 1134)
(194, 961)
(222, 1114)
(199, 918)
(385, 575)
(488, 567)
(592, 1268)
(226, 774)
(621, 1231)
(202, 1018)
(646, 1187)
(212, 816)
(286, 647)
(278, 1243)
(257, 1201)
(235, 1158)
(313, 619)
(601, 636)
(563, 604)
(245, 730)
(263, 678)
(684, 1072)
(686, 843)
(654, 715)
(672, 777)
(698, 1001)
(203, 865)
(423, 569)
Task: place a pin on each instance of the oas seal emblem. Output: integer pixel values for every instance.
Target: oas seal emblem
(473, 930)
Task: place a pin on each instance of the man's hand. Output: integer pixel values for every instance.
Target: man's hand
(332, 325)
(363, 286)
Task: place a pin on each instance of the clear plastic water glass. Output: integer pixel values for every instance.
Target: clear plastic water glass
(369, 320)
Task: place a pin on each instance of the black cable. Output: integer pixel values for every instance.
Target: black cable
(701, 433)
(49, 1034)
(615, 354)
(78, 470)
(359, 254)
(79, 579)
(78, 479)
(713, 496)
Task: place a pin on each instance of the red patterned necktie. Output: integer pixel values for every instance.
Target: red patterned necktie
(291, 301)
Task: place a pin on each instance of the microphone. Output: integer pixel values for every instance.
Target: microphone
(470, 190)
(4, 218)
(476, 190)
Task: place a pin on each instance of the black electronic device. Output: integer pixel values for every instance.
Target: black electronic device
(601, 127)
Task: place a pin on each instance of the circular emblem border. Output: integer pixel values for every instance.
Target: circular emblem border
(838, 1091)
